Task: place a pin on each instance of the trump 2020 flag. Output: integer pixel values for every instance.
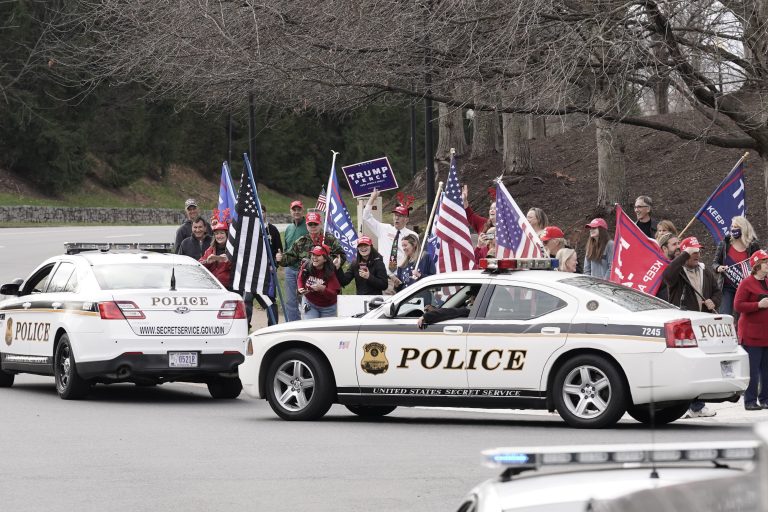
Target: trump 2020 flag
(339, 221)
(726, 202)
(515, 237)
(227, 198)
(638, 261)
(456, 252)
(247, 246)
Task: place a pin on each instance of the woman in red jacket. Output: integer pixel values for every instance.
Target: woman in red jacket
(752, 302)
(318, 283)
(215, 257)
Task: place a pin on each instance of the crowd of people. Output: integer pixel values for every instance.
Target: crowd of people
(315, 273)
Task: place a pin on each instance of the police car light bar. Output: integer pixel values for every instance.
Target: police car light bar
(494, 264)
(78, 247)
(536, 457)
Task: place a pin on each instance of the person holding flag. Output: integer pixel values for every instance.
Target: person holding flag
(731, 261)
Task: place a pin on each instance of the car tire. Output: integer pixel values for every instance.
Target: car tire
(661, 416)
(223, 388)
(371, 411)
(299, 385)
(69, 384)
(589, 392)
(6, 379)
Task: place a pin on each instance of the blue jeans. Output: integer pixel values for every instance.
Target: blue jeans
(758, 375)
(291, 302)
(317, 311)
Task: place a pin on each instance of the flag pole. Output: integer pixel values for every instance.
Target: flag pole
(265, 235)
(328, 194)
(744, 157)
(431, 219)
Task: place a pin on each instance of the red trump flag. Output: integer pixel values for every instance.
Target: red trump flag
(638, 261)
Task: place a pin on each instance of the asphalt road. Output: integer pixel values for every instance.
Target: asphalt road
(172, 447)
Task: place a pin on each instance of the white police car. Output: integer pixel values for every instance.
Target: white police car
(533, 339)
(680, 477)
(122, 316)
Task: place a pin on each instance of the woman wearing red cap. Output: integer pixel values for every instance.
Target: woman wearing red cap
(215, 257)
(318, 283)
(752, 302)
(368, 270)
(599, 254)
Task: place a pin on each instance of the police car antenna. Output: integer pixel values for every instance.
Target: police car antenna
(173, 278)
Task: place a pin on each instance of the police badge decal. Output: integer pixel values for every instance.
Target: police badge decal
(374, 358)
(9, 332)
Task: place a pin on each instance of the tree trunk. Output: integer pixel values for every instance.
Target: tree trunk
(661, 95)
(517, 152)
(485, 131)
(537, 127)
(451, 133)
(611, 177)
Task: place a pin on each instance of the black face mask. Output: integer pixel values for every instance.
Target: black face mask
(735, 234)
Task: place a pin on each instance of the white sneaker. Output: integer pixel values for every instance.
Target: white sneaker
(704, 412)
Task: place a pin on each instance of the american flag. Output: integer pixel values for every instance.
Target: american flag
(322, 201)
(247, 246)
(515, 237)
(456, 251)
(738, 271)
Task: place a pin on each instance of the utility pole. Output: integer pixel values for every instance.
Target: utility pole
(252, 138)
(413, 140)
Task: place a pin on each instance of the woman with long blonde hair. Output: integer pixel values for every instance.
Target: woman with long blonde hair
(736, 247)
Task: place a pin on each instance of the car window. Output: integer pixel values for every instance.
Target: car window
(438, 295)
(521, 303)
(60, 277)
(38, 281)
(623, 296)
(153, 276)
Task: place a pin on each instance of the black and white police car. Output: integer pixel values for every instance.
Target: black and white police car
(108, 315)
(534, 339)
(679, 477)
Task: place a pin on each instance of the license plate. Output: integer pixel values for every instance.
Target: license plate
(182, 359)
(726, 369)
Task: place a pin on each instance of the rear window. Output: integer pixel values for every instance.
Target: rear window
(154, 276)
(628, 298)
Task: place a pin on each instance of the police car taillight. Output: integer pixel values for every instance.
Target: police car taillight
(120, 310)
(234, 309)
(679, 334)
(518, 263)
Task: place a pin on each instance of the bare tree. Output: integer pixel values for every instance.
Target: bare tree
(451, 133)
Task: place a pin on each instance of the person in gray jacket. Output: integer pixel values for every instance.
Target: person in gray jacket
(599, 253)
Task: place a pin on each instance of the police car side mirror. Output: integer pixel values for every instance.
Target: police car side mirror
(10, 289)
(391, 310)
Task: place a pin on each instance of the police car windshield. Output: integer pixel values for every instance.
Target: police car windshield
(153, 276)
(623, 296)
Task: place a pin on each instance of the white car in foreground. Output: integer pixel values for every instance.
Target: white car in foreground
(122, 316)
(534, 339)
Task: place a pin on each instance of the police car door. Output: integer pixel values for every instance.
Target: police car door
(27, 325)
(396, 358)
(518, 327)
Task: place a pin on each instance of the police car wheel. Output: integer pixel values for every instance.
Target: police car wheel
(225, 388)
(6, 379)
(589, 392)
(371, 411)
(299, 385)
(69, 384)
(661, 415)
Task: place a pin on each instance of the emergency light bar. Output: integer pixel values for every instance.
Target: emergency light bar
(78, 247)
(536, 457)
(494, 264)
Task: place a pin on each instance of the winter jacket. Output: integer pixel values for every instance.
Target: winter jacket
(185, 231)
(221, 270)
(681, 292)
(722, 252)
(752, 320)
(309, 274)
(195, 248)
(377, 276)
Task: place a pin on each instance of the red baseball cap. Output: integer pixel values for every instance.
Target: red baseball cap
(320, 250)
(402, 210)
(313, 217)
(690, 243)
(757, 256)
(597, 223)
(297, 204)
(364, 240)
(551, 232)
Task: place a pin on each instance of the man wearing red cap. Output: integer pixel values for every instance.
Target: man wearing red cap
(301, 248)
(692, 286)
(295, 230)
(553, 239)
(389, 235)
